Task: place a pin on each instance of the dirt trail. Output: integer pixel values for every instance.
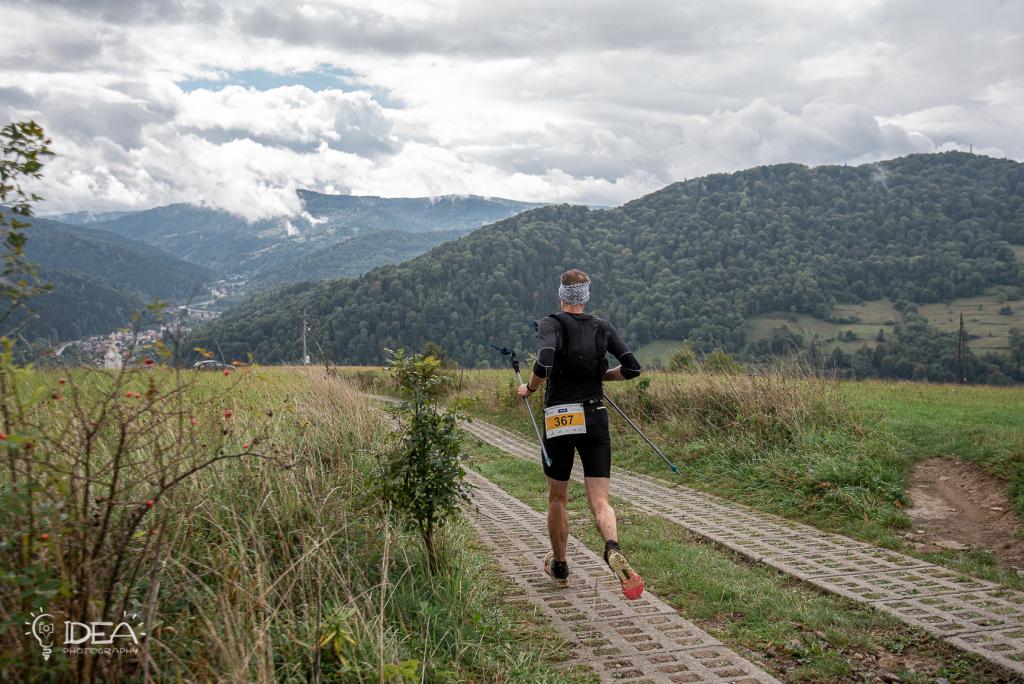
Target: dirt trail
(957, 506)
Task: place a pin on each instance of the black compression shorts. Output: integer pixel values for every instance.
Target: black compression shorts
(594, 447)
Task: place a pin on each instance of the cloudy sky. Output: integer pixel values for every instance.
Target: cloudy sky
(237, 104)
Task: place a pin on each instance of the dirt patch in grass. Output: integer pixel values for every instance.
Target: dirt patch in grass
(957, 506)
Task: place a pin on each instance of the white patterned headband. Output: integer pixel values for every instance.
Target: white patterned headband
(575, 294)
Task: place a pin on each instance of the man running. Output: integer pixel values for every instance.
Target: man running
(573, 360)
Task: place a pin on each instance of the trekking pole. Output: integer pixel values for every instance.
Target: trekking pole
(514, 360)
(633, 425)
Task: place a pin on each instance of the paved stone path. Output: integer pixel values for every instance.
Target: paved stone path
(622, 641)
(968, 612)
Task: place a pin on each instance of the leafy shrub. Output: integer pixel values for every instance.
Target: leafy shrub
(423, 478)
(684, 359)
(418, 377)
(719, 361)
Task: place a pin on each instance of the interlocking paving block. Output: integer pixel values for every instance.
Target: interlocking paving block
(622, 641)
(1005, 646)
(959, 613)
(818, 564)
(710, 664)
(970, 613)
(899, 584)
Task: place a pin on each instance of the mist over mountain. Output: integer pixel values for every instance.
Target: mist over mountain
(694, 260)
(84, 218)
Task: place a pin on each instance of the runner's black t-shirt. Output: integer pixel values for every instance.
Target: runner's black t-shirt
(561, 389)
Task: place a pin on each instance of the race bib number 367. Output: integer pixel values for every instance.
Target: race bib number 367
(564, 419)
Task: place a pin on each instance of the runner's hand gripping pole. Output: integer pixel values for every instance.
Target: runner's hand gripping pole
(514, 362)
(633, 425)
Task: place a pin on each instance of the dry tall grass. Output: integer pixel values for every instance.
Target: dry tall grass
(206, 505)
(765, 409)
(273, 562)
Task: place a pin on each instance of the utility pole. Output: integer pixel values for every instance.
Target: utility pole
(961, 344)
(305, 327)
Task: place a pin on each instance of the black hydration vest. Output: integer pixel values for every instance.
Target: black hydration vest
(581, 360)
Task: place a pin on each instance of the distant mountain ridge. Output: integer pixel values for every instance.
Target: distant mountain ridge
(108, 265)
(694, 260)
(84, 218)
(353, 256)
(230, 245)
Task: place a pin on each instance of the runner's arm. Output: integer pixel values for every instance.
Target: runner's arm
(547, 332)
(628, 367)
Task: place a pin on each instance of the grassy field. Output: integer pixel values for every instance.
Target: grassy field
(980, 424)
(987, 328)
(235, 516)
(657, 352)
(834, 454)
(811, 328)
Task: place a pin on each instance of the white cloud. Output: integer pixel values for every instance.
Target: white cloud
(586, 102)
(290, 115)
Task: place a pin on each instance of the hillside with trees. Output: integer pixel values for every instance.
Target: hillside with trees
(692, 261)
(132, 266)
(79, 306)
(99, 281)
(353, 257)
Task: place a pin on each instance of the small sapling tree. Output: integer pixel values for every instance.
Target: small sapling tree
(423, 478)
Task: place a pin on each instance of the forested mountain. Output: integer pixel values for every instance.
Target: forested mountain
(79, 306)
(99, 280)
(229, 245)
(131, 266)
(691, 261)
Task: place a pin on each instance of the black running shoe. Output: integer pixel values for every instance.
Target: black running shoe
(558, 571)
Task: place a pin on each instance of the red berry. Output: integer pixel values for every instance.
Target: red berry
(227, 373)
(149, 503)
(229, 413)
(245, 446)
(128, 395)
(138, 395)
(195, 422)
(62, 380)
(148, 361)
(3, 435)
(44, 536)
